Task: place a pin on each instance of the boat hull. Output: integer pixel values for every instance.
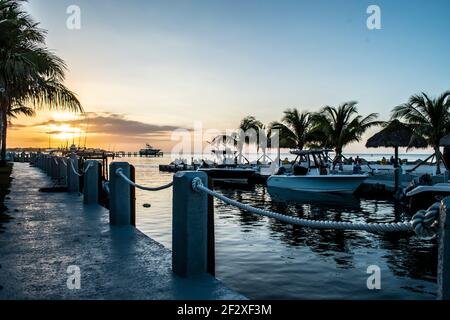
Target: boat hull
(149, 152)
(424, 196)
(229, 175)
(346, 184)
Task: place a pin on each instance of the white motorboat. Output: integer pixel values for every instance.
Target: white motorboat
(312, 173)
(149, 151)
(422, 196)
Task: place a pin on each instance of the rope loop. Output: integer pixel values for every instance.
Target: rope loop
(425, 222)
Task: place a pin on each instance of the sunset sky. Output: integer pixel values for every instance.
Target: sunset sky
(144, 68)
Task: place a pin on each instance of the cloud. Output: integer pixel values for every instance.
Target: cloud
(14, 126)
(112, 124)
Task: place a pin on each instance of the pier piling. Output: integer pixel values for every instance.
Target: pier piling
(189, 226)
(55, 168)
(62, 171)
(91, 182)
(73, 180)
(443, 272)
(48, 165)
(120, 195)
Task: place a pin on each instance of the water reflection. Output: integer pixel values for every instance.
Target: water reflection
(406, 257)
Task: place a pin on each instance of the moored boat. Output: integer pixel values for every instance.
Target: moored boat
(149, 151)
(312, 173)
(422, 196)
(229, 173)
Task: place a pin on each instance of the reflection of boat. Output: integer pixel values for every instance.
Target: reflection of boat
(301, 197)
(421, 197)
(311, 173)
(149, 151)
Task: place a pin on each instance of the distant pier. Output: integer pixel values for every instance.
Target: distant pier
(138, 154)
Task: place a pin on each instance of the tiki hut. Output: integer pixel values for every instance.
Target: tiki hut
(396, 135)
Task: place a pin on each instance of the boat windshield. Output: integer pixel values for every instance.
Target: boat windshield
(312, 159)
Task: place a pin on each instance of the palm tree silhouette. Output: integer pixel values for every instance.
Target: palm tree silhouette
(337, 127)
(294, 129)
(428, 118)
(31, 76)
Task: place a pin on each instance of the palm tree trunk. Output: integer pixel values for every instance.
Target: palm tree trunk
(338, 153)
(3, 108)
(437, 153)
(338, 158)
(1, 126)
(4, 129)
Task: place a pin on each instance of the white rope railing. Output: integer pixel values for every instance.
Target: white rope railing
(120, 173)
(83, 171)
(420, 224)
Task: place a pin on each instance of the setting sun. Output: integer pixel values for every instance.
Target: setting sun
(64, 132)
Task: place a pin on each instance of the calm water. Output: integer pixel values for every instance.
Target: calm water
(266, 259)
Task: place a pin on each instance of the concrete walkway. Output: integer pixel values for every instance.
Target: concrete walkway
(52, 231)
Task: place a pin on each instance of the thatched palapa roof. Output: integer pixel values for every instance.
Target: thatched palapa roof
(396, 134)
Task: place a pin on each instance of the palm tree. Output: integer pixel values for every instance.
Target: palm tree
(20, 110)
(294, 129)
(249, 131)
(337, 127)
(31, 76)
(428, 118)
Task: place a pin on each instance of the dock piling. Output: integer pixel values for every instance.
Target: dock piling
(120, 195)
(47, 164)
(91, 184)
(62, 171)
(443, 272)
(189, 226)
(73, 180)
(55, 168)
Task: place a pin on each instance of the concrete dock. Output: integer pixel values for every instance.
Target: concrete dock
(50, 232)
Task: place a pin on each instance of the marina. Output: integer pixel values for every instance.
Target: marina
(235, 151)
(237, 233)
